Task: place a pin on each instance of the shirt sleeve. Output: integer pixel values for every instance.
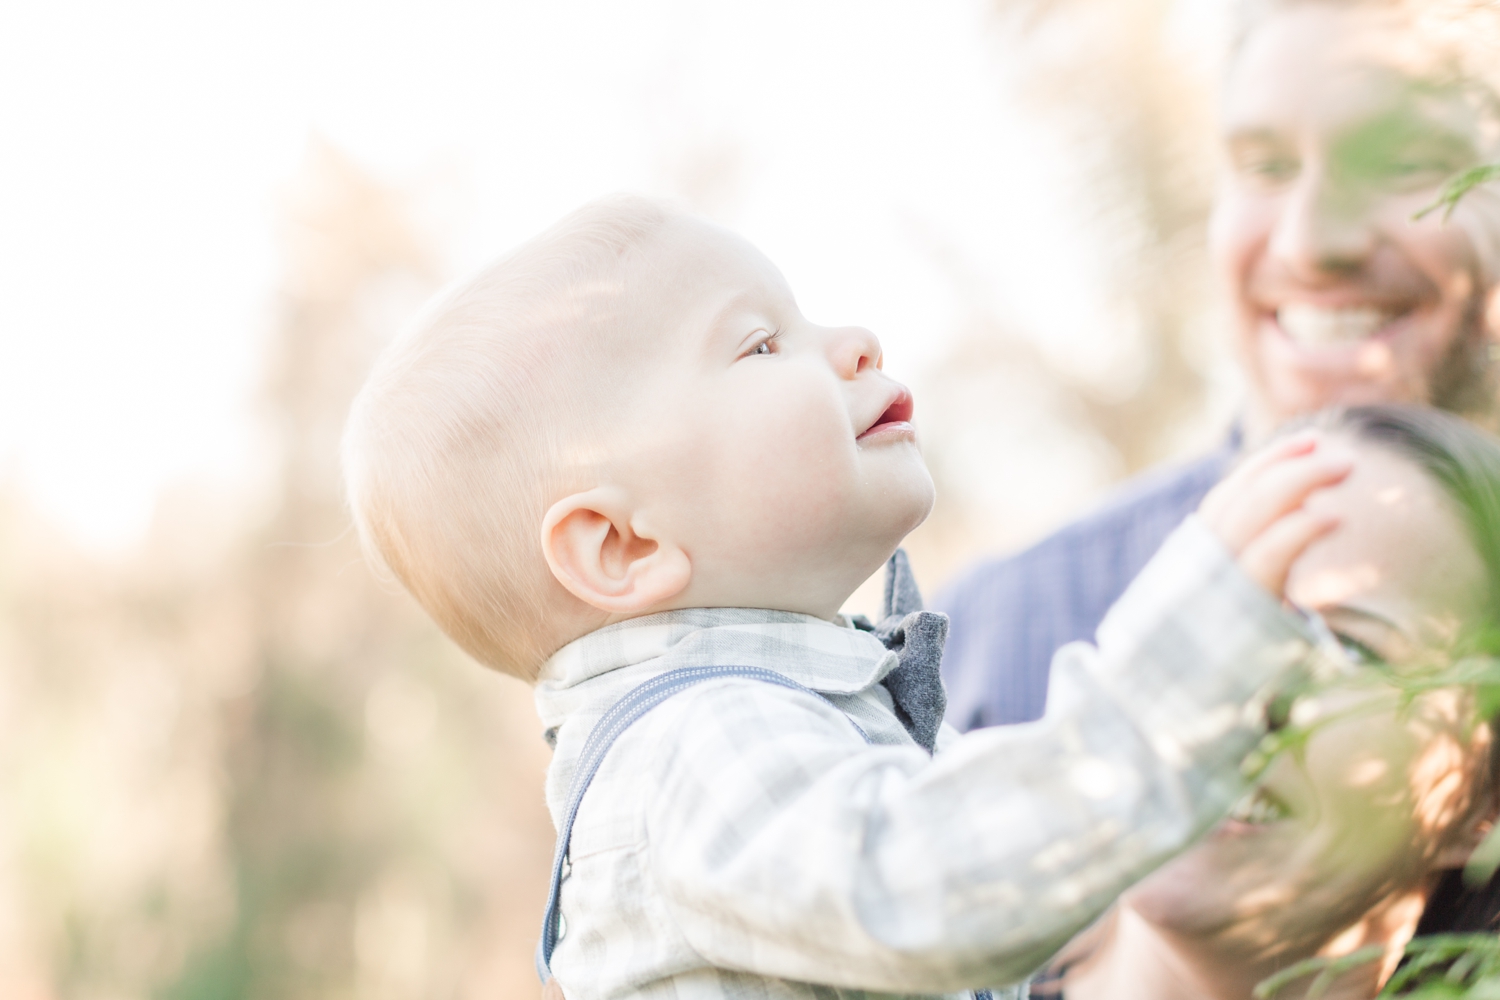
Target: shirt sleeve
(1008, 617)
(784, 846)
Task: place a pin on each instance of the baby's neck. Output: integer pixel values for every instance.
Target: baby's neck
(1134, 959)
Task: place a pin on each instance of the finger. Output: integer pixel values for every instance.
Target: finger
(1283, 487)
(1279, 489)
(1269, 557)
(1252, 466)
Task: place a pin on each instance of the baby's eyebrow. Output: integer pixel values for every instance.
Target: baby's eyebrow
(721, 326)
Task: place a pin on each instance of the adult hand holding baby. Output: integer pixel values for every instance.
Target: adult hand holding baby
(1258, 510)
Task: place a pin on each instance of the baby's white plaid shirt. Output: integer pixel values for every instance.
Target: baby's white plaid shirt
(743, 840)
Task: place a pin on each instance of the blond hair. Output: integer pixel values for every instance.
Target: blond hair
(468, 429)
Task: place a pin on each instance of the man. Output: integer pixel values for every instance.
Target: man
(1341, 122)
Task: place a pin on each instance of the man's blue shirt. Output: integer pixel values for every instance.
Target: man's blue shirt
(1009, 616)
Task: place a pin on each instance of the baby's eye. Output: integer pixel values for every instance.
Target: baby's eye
(765, 346)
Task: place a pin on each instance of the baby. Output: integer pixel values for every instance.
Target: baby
(622, 454)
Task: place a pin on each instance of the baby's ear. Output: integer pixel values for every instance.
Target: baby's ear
(596, 550)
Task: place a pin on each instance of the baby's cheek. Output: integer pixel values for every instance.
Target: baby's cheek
(778, 460)
(804, 491)
(777, 486)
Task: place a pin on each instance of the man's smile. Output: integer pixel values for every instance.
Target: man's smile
(1329, 316)
(1315, 326)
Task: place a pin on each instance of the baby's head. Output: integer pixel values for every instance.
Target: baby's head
(627, 415)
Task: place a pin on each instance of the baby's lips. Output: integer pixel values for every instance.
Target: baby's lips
(898, 410)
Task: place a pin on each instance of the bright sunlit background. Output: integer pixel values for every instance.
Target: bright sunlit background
(232, 763)
(871, 150)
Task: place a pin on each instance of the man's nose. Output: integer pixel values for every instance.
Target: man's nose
(852, 350)
(1324, 226)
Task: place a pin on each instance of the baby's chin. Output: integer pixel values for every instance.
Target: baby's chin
(906, 493)
(891, 497)
(886, 525)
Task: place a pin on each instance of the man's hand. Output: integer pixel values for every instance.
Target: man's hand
(1257, 510)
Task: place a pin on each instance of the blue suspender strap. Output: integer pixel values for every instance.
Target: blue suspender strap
(619, 718)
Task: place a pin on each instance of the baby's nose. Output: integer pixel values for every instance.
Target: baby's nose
(852, 350)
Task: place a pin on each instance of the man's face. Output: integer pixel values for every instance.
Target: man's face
(774, 451)
(1334, 140)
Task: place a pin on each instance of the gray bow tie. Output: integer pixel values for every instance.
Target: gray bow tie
(916, 637)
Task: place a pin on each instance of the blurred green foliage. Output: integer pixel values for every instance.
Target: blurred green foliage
(1438, 967)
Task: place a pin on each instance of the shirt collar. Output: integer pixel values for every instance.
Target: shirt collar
(832, 657)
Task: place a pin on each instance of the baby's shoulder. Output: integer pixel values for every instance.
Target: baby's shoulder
(709, 725)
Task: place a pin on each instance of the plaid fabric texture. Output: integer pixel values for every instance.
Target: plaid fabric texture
(743, 841)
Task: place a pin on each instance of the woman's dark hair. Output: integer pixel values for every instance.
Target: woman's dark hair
(1465, 462)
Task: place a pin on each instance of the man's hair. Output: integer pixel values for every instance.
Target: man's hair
(469, 424)
(1461, 34)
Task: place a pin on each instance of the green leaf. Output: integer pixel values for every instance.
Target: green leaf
(1438, 966)
(1326, 970)
(1454, 190)
(1485, 989)
(1269, 987)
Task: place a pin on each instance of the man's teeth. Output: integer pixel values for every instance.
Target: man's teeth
(1315, 325)
(1258, 808)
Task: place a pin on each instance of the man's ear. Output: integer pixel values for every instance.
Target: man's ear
(594, 549)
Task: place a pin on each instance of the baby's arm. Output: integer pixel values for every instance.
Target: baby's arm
(784, 847)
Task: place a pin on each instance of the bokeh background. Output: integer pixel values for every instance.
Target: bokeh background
(233, 762)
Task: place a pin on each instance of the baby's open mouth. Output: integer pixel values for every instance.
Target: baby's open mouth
(1321, 326)
(897, 413)
(1259, 808)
